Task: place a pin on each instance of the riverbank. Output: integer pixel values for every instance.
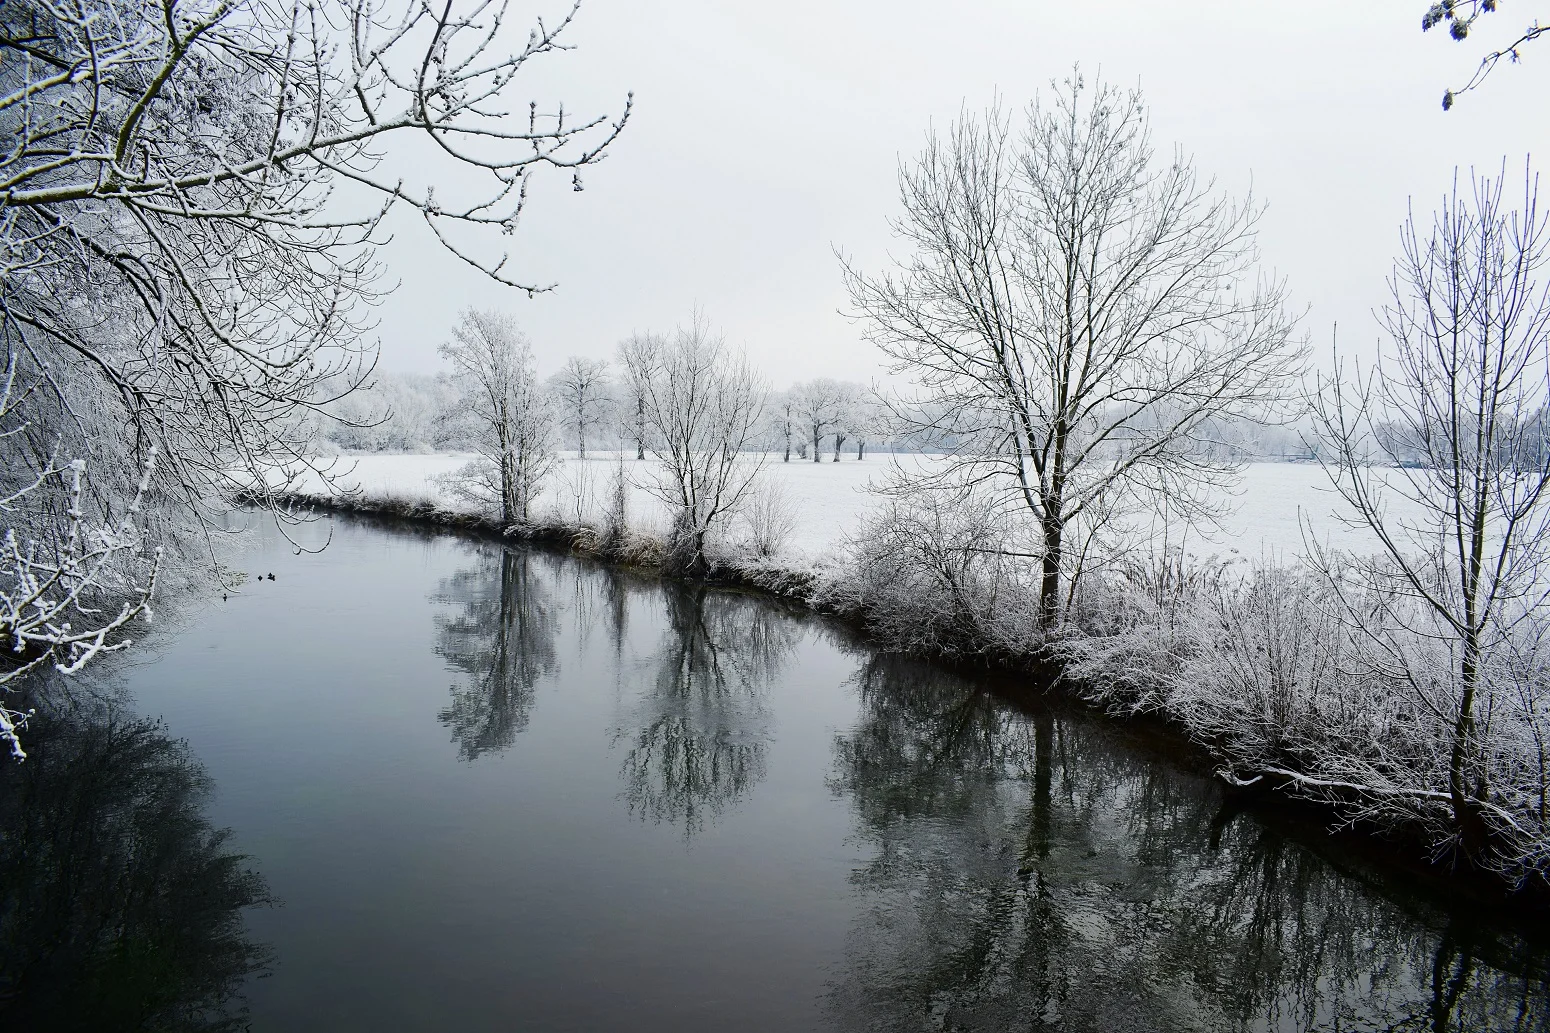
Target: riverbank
(1123, 655)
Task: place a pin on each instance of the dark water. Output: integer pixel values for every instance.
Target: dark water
(476, 789)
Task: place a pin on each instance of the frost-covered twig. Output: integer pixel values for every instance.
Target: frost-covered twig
(51, 594)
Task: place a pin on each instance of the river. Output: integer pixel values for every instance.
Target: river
(478, 788)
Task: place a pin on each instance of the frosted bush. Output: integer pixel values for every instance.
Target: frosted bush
(933, 574)
(769, 518)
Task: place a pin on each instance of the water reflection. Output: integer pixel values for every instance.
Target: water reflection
(502, 638)
(616, 599)
(698, 735)
(696, 730)
(1030, 872)
(121, 908)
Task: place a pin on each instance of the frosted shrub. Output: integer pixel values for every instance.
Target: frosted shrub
(1339, 693)
(1126, 632)
(616, 520)
(1258, 662)
(769, 518)
(1266, 672)
(931, 574)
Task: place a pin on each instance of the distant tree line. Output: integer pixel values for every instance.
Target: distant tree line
(595, 406)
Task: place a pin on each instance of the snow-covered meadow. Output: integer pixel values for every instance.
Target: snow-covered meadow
(829, 500)
(1272, 509)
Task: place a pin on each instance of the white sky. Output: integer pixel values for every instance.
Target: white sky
(766, 135)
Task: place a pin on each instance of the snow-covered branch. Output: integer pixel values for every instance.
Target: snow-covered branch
(64, 602)
(191, 195)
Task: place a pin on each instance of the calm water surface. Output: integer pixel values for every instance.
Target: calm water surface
(471, 788)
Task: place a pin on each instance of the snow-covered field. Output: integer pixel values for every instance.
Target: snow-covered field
(833, 498)
(1271, 506)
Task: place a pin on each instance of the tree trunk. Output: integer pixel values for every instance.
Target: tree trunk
(1049, 580)
(839, 440)
(510, 504)
(1052, 522)
(860, 448)
(1466, 816)
(640, 427)
(817, 446)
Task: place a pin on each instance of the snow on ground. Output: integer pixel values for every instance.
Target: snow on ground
(1271, 503)
(832, 498)
(407, 476)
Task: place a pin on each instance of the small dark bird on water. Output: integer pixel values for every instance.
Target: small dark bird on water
(223, 597)
(271, 577)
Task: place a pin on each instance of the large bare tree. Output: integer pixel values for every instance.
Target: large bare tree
(703, 407)
(1074, 311)
(1450, 428)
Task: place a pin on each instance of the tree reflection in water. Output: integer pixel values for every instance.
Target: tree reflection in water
(698, 735)
(121, 908)
(502, 638)
(1031, 873)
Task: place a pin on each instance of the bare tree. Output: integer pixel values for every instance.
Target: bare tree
(1074, 311)
(703, 408)
(635, 355)
(180, 279)
(581, 387)
(864, 418)
(819, 405)
(513, 427)
(1464, 387)
(783, 421)
(847, 414)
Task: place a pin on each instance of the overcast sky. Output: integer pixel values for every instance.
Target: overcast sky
(767, 135)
